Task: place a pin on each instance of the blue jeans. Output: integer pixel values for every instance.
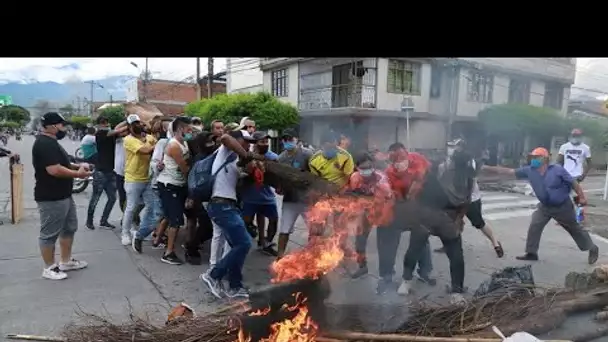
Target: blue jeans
(136, 191)
(157, 214)
(228, 217)
(102, 181)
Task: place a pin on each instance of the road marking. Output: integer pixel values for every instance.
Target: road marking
(594, 190)
(508, 214)
(505, 205)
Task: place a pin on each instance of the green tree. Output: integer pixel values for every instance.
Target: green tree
(114, 114)
(267, 111)
(80, 122)
(10, 124)
(16, 114)
(516, 121)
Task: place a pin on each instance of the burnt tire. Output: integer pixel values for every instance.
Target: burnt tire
(79, 186)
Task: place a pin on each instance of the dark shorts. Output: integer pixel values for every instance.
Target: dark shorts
(474, 215)
(269, 211)
(173, 200)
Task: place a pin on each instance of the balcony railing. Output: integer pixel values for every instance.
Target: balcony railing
(338, 96)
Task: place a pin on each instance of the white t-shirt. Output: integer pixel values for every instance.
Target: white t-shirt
(574, 157)
(119, 158)
(226, 180)
(157, 157)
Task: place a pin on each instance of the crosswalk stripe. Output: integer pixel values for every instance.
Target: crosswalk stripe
(508, 214)
(509, 204)
(493, 198)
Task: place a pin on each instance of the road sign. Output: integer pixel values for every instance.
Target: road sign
(6, 100)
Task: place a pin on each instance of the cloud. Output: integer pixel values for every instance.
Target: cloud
(62, 70)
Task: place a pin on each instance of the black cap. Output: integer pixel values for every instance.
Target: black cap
(289, 133)
(260, 135)
(195, 120)
(52, 118)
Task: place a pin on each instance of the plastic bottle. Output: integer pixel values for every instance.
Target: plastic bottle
(580, 214)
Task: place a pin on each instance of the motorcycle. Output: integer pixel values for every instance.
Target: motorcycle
(80, 184)
(4, 139)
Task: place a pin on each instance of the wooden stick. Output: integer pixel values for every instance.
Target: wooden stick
(351, 336)
(35, 338)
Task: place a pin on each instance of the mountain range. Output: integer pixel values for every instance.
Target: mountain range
(26, 94)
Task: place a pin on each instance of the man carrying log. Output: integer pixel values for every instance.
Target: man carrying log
(552, 185)
(293, 201)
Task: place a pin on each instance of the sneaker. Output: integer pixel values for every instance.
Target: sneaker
(73, 265)
(136, 245)
(405, 288)
(269, 250)
(159, 245)
(594, 253)
(90, 226)
(527, 257)
(237, 293)
(427, 280)
(215, 286)
(106, 225)
(360, 272)
(457, 299)
(125, 239)
(171, 259)
(53, 273)
(383, 286)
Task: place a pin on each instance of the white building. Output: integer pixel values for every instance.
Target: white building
(363, 96)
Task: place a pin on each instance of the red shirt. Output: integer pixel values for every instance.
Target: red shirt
(401, 181)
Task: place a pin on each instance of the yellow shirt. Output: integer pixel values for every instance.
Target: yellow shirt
(336, 170)
(137, 164)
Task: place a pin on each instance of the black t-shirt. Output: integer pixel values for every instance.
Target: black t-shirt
(105, 150)
(47, 152)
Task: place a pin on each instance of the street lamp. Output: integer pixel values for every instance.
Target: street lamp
(407, 106)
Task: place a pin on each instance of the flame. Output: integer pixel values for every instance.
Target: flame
(260, 312)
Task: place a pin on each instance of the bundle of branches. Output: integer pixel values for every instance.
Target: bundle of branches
(212, 328)
(536, 313)
(284, 176)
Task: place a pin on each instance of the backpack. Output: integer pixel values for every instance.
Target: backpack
(200, 178)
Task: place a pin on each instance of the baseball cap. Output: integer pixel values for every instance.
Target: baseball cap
(133, 118)
(576, 131)
(260, 135)
(540, 152)
(456, 142)
(231, 126)
(289, 133)
(52, 118)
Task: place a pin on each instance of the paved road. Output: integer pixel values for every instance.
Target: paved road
(33, 305)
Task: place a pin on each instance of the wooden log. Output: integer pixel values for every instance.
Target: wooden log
(357, 336)
(593, 335)
(34, 338)
(274, 296)
(16, 170)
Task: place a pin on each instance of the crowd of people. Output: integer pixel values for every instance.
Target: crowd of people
(149, 166)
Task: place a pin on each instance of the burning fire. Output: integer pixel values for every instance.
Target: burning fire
(321, 255)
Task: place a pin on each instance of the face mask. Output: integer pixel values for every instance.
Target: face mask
(575, 141)
(366, 172)
(187, 136)
(536, 163)
(402, 166)
(289, 145)
(451, 151)
(262, 149)
(60, 134)
(330, 154)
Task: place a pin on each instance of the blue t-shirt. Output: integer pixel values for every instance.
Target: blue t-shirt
(264, 195)
(553, 188)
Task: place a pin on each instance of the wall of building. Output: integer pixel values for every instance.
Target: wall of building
(391, 101)
(243, 75)
(543, 68)
(162, 90)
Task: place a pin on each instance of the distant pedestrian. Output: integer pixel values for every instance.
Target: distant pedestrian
(54, 176)
(88, 146)
(575, 157)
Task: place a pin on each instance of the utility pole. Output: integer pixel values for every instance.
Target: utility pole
(199, 89)
(92, 83)
(210, 77)
(145, 82)
(454, 73)
(111, 100)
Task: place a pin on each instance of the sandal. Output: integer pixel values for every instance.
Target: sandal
(499, 251)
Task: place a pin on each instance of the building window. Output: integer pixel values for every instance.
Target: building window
(279, 82)
(554, 95)
(519, 91)
(480, 87)
(403, 77)
(436, 76)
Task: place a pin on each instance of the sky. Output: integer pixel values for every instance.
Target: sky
(592, 73)
(63, 70)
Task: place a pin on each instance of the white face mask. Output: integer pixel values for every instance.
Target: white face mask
(402, 166)
(575, 140)
(451, 151)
